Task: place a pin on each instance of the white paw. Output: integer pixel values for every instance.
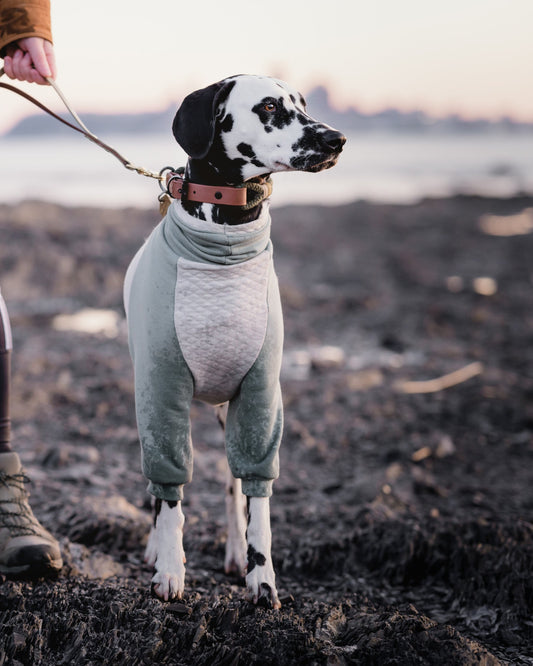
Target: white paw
(169, 586)
(261, 583)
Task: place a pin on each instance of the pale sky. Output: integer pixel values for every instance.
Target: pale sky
(472, 57)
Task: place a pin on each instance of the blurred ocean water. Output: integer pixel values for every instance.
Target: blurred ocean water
(389, 167)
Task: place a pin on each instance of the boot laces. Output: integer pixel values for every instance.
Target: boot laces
(20, 521)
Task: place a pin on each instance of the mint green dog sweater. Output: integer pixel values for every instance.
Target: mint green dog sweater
(204, 321)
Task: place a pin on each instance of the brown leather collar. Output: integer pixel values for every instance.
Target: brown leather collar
(228, 196)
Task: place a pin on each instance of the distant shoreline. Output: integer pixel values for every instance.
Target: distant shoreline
(319, 105)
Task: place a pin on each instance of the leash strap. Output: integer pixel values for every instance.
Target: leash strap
(82, 129)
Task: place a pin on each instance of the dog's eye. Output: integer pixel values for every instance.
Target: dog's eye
(270, 107)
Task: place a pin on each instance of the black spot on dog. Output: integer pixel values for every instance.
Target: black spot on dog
(308, 141)
(283, 116)
(246, 150)
(219, 160)
(216, 215)
(302, 119)
(255, 558)
(226, 125)
(265, 116)
(293, 99)
(232, 215)
(279, 118)
(194, 208)
(268, 129)
(157, 509)
(265, 596)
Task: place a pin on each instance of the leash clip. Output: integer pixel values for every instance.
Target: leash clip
(143, 172)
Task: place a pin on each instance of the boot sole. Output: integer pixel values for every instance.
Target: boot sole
(40, 570)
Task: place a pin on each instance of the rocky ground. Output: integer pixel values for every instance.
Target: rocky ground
(403, 518)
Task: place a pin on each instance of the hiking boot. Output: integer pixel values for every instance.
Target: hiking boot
(26, 548)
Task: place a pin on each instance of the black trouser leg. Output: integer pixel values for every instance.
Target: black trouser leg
(5, 378)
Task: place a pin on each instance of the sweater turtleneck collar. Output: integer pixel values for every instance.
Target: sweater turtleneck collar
(200, 240)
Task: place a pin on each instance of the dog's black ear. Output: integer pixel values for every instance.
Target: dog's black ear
(194, 123)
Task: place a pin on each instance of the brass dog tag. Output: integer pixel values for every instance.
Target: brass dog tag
(164, 202)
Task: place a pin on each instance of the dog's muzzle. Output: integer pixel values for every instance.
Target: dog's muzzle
(321, 151)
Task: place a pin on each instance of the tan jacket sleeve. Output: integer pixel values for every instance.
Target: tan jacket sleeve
(20, 19)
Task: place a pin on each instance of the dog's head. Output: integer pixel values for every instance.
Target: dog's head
(247, 126)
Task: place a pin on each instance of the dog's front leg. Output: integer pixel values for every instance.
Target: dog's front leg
(164, 550)
(260, 579)
(235, 560)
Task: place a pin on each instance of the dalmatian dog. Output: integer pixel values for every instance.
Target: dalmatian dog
(204, 316)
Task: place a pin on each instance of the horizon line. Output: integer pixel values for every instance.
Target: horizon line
(347, 108)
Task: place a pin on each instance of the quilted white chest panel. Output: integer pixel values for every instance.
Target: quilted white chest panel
(220, 316)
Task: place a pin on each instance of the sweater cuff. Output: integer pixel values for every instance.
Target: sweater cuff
(166, 491)
(19, 20)
(256, 488)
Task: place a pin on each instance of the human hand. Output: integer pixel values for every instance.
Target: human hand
(30, 59)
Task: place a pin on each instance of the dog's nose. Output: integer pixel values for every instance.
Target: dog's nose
(334, 140)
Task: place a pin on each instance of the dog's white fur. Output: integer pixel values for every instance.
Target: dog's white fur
(165, 553)
(261, 580)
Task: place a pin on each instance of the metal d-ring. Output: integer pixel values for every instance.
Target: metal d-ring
(164, 187)
(176, 177)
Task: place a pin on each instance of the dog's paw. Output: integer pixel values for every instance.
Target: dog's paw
(164, 551)
(261, 585)
(169, 586)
